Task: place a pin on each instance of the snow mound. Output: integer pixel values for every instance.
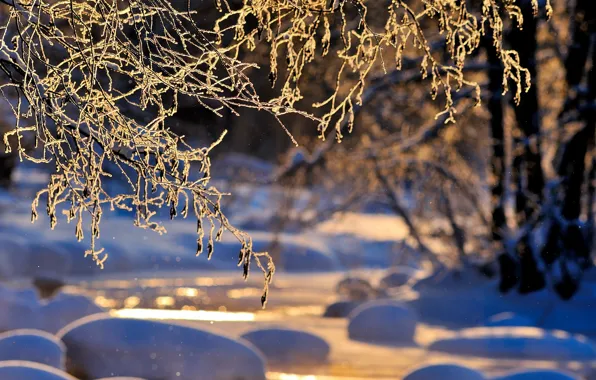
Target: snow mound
(398, 276)
(19, 310)
(34, 346)
(538, 375)
(508, 320)
(444, 372)
(517, 342)
(384, 322)
(340, 309)
(24, 370)
(103, 346)
(121, 378)
(355, 288)
(282, 345)
(65, 308)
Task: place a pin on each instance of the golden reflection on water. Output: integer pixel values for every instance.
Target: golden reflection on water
(293, 376)
(187, 315)
(165, 301)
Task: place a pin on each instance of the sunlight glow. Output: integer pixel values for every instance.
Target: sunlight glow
(244, 292)
(165, 301)
(187, 315)
(291, 376)
(187, 292)
(132, 301)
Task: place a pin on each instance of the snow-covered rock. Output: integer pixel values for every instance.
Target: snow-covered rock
(508, 319)
(18, 310)
(385, 322)
(34, 346)
(102, 346)
(517, 342)
(340, 309)
(65, 308)
(396, 277)
(24, 370)
(538, 375)
(444, 372)
(282, 345)
(121, 378)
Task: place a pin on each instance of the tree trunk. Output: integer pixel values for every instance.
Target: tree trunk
(527, 168)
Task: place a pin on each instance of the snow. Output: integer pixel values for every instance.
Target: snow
(397, 276)
(289, 346)
(48, 260)
(452, 279)
(340, 309)
(18, 309)
(24, 370)
(517, 342)
(508, 319)
(384, 322)
(298, 253)
(103, 346)
(444, 372)
(34, 346)
(22, 309)
(65, 308)
(538, 375)
(356, 288)
(13, 255)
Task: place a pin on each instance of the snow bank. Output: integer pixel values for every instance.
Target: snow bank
(102, 346)
(384, 322)
(538, 375)
(452, 279)
(13, 255)
(340, 309)
(18, 309)
(24, 370)
(517, 342)
(508, 320)
(282, 345)
(444, 372)
(65, 308)
(121, 378)
(34, 346)
(48, 260)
